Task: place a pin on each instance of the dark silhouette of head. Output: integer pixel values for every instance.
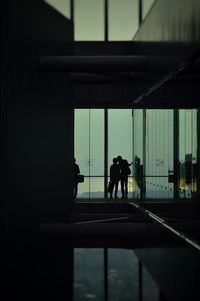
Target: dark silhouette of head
(74, 160)
(119, 158)
(115, 160)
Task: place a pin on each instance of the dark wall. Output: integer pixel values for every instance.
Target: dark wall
(39, 117)
(37, 136)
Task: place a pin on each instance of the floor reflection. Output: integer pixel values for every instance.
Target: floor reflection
(111, 274)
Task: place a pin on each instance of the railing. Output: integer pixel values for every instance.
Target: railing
(153, 187)
(188, 240)
(150, 187)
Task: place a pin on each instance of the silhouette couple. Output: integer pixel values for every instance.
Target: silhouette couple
(119, 171)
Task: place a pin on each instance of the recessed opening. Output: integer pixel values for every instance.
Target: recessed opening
(144, 137)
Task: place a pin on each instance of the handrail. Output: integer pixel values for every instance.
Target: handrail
(103, 220)
(163, 223)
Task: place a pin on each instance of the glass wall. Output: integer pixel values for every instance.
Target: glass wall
(122, 19)
(153, 153)
(159, 150)
(89, 20)
(187, 153)
(138, 141)
(144, 137)
(89, 151)
(120, 140)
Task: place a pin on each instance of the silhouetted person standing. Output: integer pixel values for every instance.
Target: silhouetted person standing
(76, 173)
(124, 173)
(114, 177)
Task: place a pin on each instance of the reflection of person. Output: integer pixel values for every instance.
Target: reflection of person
(124, 172)
(76, 173)
(114, 177)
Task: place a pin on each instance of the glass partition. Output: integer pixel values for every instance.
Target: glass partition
(187, 153)
(144, 137)
(89, 20)
(138, 149)
(122, 19)
(89, 151)
(159, 152)
(120, 134)
(120, 141)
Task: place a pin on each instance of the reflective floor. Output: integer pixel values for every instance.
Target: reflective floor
(111, 274)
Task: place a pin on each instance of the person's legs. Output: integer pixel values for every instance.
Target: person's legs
(126, 186)
(75, 189)
(111, 189)
(122, 186)
(116, 188)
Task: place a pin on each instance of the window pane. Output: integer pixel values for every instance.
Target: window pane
(89, 20)
(120, 141)
(62, 6)
(123, 19)
(138, 134)
(97, 142)
(159, 153)
(120, 134)
(188, 152)
(89, 151)
(92, 187)
(89, 141)
(81, 140)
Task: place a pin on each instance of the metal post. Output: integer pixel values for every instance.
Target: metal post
(143, 188)
(139, 12)
(72, 10)
(176, 153)
(106, 20)
(105, 153)
(133, 152)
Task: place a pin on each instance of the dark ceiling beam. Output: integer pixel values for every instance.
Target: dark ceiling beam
(130, 78)
(110, 96)
(134, 48)
(108, 63)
